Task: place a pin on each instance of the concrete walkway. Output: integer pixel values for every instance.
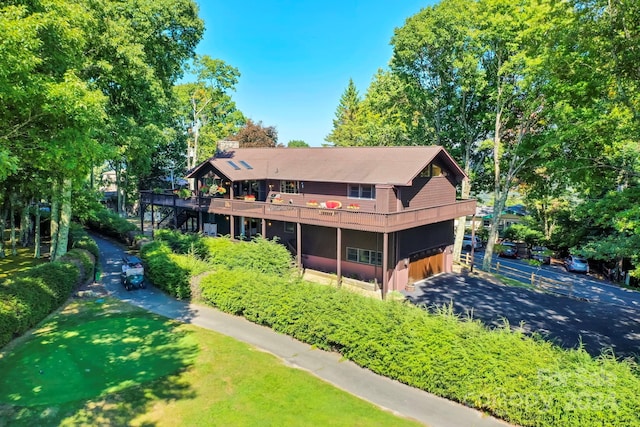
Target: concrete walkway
(388, 394)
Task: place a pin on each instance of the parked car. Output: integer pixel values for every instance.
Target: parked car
(132, 273)
(467, 242)
(508, 249)
(541, 253)
(576, 264)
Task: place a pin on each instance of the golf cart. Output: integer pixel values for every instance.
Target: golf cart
(132, 273)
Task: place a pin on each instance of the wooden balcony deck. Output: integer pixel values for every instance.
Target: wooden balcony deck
(342, 218)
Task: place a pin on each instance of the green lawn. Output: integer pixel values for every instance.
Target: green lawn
(10, 264)
(109, 363)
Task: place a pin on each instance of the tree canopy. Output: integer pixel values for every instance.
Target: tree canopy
(82, 83)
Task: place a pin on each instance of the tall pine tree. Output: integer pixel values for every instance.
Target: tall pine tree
(345, 125)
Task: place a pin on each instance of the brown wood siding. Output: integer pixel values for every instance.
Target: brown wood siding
(319, 241)
(276, 229)
(425, 238)
(322, 241)
(386, 199)
(321, 192)
(428, 192)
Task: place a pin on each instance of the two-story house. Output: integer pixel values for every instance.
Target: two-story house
(382, 214)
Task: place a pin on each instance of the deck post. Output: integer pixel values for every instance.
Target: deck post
(299, 245)
(175, 213)
(232, 226)
(339, 256)
(385, 264)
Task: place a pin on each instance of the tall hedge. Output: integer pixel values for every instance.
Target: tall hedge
(29, 297)
(164, 270)
(521, 379)
(259, 254)
(79, 239)
(182, 243)
(110, 224)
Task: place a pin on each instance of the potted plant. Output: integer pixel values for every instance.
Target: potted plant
(221, 190)
(184, 193)
(204, 189)
(312, 203)
(277, 200)
(250, 197)
(353, 206)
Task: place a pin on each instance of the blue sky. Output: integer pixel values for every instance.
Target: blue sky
(296, 57)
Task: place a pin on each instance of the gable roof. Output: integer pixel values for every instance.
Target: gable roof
(365, 165)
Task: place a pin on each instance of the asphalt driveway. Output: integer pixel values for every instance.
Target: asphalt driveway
(566, 321)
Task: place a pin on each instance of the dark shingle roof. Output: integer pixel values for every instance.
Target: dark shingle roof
(366, 165)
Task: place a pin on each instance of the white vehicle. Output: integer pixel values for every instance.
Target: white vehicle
(466, 242)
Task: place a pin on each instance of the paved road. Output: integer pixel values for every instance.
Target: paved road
(583, 286)
(566, 321)
(391, 395)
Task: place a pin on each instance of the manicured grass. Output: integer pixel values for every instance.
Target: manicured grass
(10, 264)
(108, 363)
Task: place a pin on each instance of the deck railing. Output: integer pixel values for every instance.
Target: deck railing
(345, 218)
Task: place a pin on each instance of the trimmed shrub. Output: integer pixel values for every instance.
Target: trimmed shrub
(29, 297)
(79, 239)
(110, 224)
(260, 254)
(182, 243)
(521, 379)
(164, 270)
(85, 262)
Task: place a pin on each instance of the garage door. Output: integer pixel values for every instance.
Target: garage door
(425, 267)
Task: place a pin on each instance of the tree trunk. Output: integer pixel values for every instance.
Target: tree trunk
(118, 189)
(25, 227)
(497, 205)
(65, 219)
(55, 218)
(462, 223)
(125, 184)
(36, 237)
(3, 223)
(12, 224)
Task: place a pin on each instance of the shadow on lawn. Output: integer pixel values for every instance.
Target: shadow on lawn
(565, 321)
(96, 368)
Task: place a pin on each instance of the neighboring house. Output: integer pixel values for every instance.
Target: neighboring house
(381, 214)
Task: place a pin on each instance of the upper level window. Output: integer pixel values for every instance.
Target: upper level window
(431, 170)
(362, 191)
(290, 187)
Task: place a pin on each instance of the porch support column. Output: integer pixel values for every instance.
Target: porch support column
(232, 226)
(175, 213)
(339, 256)
(264, 228)
(299, 245)
(200, 220)
(385, 264)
